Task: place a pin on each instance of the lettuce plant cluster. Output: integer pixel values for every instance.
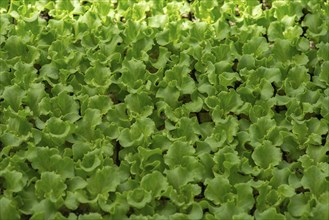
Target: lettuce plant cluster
(164, 109)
